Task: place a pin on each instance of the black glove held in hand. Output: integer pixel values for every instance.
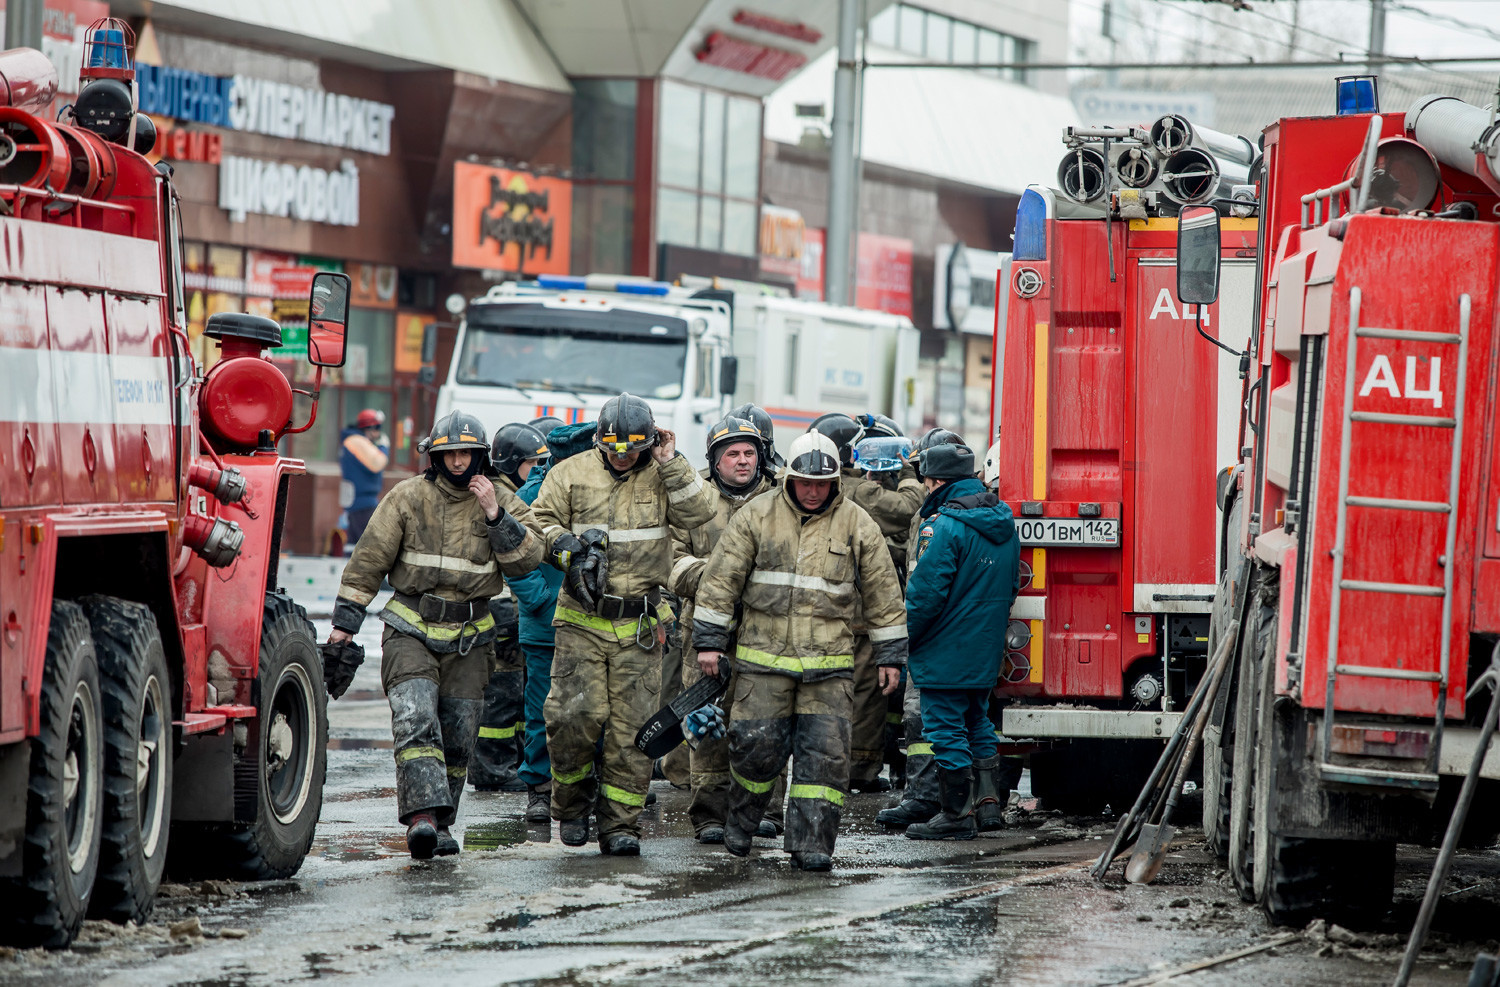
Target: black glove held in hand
(341, 659)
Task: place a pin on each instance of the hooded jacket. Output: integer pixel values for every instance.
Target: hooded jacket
(536, 592)
(429, 536)
(962, 583)
(799, 576)
(635, 510)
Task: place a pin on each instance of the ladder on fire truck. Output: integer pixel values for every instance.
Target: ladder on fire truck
(1427, 779)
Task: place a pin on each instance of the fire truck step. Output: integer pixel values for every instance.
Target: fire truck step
(1343, 773)
(1373, 672)
(1400, 589)
(1392, 503)
(1382, 418)
(1414, 335)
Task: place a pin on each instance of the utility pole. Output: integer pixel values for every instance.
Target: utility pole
(23, 24)
(1377, 33)
(836, 250)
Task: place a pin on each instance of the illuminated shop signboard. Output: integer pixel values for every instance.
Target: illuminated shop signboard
(258, 106)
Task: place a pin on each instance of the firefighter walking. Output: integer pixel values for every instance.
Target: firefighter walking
(797, 562)
(734, 468)
(443, 539)
(515, 451)
(605, 520)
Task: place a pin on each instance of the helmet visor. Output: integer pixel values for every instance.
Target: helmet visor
(882, 453)
(815, 464)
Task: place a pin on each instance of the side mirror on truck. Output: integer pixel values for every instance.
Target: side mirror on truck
(328, 318)
(729, 374)
(1198, 255)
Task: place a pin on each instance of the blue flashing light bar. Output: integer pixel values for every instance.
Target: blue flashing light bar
(561, 283)
(1357, 94)
(1031, 227)
(642, 287)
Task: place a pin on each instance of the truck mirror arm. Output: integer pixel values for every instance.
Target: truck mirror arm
(312, 415)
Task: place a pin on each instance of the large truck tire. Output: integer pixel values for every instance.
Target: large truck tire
(1255, 665)
(46, 905)
(1219, 734)
(1082, 777)
(289, 762)
(138, 753)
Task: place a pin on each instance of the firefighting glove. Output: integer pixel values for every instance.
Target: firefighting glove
(565, 550)
(341, 659)
(588, 575)
(703, 723)
(507, 618)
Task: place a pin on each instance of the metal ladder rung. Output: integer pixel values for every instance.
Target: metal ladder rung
(1415, 335)
(1400, 589)
(1391, 503)
(1413, 779)
(1373, 672)
(1382, 418)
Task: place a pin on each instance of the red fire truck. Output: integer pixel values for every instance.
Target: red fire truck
(1362, 537)
(1111, 412)
(156, 689)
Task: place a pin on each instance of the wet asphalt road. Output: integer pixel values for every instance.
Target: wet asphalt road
(518, 907)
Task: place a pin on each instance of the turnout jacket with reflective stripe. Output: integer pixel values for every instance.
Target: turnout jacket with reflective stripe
(428, 536)
(636, 509)
(892, 509)
(799, 577)
(691, 548)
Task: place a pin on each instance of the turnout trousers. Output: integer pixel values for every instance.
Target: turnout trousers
(435, 706)
(603, 688)
(497, 753)
(867, 720)
(921, 770)
(709, 764)
(775, 717)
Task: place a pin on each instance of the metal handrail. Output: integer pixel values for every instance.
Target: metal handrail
(1366, 175)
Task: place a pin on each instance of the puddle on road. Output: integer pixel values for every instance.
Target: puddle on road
(359, 744)
(494, 835)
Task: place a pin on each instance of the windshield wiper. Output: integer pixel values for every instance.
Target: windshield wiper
(588, 388)
(547, 385)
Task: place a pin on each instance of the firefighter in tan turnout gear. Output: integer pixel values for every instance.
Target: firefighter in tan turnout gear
(443, 539)
(735, 454)
(605, 519)
(797, 562)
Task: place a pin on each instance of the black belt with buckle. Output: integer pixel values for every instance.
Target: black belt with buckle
(628, 608)
(437, 610)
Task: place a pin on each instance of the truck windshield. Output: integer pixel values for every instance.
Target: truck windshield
(557, 358)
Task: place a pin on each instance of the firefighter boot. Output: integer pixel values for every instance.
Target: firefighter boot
(620, 845)
(956, 821)
(421, 836)
(501, 731)
(539, 804)
(808, 860)
(988, 801)
(919, 802)
(459, 721)
(446, 845)
(574, 832)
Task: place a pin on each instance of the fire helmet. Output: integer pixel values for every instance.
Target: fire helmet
(877, 424)
(546, 423)
(626, 425)
(762, 421)
(514, 444)
(455, 430)
(730, 430)
(933, 437)
(813, 457)
(370, 418)
(841, 430)
(992, 465)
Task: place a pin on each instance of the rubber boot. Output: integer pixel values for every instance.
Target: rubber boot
(446, 845)
(711, 834)
(806, 860)
(956, 820)
(908, 812)
(620, 845)
(988, 801)
(421, 836)
(574, 832)
(539, 804)
(735, 841)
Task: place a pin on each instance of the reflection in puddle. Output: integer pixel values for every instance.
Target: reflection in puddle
(359, 744)
(494, 835)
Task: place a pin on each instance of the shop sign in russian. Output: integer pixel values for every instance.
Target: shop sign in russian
(251, 185)
(781, 231)
(882, 271)
(505, 220)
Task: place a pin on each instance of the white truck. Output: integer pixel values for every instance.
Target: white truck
(564, 345)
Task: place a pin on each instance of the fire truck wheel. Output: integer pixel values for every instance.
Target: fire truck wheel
(137, 757)
(293, 741)
(46, 905)
(1218, 736)
(1253, 664)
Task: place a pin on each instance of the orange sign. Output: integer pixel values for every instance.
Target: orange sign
(410, 327)
(513, 221)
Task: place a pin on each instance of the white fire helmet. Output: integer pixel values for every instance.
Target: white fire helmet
(992, 466)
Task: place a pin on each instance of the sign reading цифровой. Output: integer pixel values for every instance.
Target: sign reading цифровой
(260, 107)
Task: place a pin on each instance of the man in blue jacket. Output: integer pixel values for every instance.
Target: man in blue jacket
(536, 594)
(364, 453)
(958, 599)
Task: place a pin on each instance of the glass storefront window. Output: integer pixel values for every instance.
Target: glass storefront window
(964, 39)
(742, 149)
(710, 222)
(741, 225)
(677, 217)
(371, 349)
(910, 37)
(602, 227)
(604, 128)
(990, 49)
(883, 27)
(681, 126)
(713, 142)
(939, 38)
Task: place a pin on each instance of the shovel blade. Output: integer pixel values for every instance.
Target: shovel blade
(1150, 853)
